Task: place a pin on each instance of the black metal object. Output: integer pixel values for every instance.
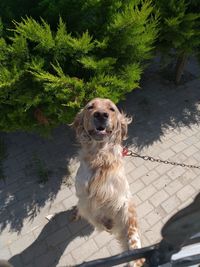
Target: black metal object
(177, 233)
(121, 258)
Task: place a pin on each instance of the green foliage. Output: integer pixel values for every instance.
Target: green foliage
(47, 74)
(179, 27)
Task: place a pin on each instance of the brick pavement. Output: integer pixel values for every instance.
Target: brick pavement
(166, 126)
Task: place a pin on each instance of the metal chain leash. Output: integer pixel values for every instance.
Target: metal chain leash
(131, 153)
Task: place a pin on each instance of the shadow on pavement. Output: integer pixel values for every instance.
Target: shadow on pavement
(160, 106)
(51, 243)
(21, 194)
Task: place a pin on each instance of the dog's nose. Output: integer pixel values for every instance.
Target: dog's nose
(101, 116)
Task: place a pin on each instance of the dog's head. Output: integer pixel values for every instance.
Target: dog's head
(101, 121)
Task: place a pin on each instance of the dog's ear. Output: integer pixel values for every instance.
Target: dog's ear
(124, 120)
(77, 124)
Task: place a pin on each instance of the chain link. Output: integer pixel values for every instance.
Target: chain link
(152, 159)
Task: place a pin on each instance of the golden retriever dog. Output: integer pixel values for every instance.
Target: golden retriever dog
(101, 184)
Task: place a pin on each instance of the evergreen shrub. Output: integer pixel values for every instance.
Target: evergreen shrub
(179, 34)
(47, 75)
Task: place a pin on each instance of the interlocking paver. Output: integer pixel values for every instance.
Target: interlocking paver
(84, 251)
(161, 129)
(176, 172)
(66, 260)
(138, 172)
(186, 192)
(147, 192)
(179, 147)
(173, 187)
(190, 151)
(150, 177)
(153, 234)
(102, 239)
(144, 209)
(171, 204)
(136, 186)
(153, 217)
(101, 253)
(159, 197)
(5, 253)
(20, 244)
(161, 182)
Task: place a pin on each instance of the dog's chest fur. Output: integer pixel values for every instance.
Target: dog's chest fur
(101, 180)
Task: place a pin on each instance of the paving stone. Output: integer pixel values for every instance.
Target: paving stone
(163, 168)
(144, 209)
(136, 186)
(179, 147)
(178, 138)
(187, 177)
(143, 225)
(101, 253)
(138, 172)
(114, 247)
(22, 243)
(58, 237)
(162, 182)
(63, 194)
(70, 202)
(103, 238)
(66, 260)
(190, 151)
(5, 253)
(167, 154)
(129, 166)
(186, 192)
(144, 241)
(171, 204)
(176, 172)
(72, 243)
(173, 187)
(46, 260)
(153, 217)
(158, 197)
(150, 177)
(84, 251)
(36, 250)
(153, 235)
(191, 140)
(196, 183)
(146, 193)
(167, 143)
(137, 201)
(7, 237)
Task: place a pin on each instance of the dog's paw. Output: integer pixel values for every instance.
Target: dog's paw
(137, 263)
(74, 214)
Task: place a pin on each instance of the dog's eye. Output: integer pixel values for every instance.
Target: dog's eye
(90, 107)
(112, 109)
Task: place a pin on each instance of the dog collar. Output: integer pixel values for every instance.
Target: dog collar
(125, 152)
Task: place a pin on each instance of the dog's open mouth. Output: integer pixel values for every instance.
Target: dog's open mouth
(100, 132)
